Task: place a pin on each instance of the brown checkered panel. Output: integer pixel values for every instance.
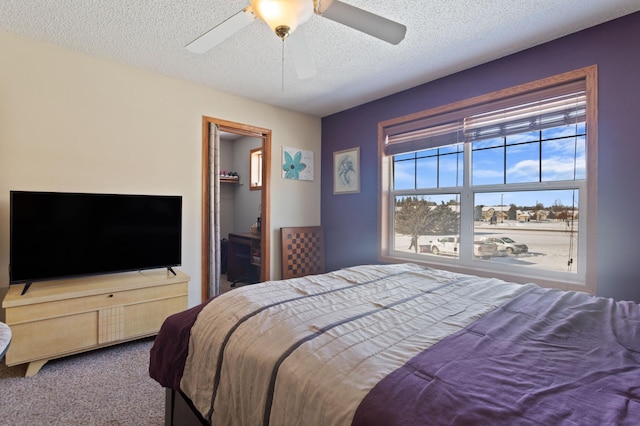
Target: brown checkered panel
(302, 251)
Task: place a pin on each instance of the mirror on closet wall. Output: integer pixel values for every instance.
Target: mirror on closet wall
(240, 209)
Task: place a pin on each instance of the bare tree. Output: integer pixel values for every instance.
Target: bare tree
(416, 217)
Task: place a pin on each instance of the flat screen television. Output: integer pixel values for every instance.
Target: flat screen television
(57, 235)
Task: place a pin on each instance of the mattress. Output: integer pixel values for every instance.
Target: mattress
(403, 344)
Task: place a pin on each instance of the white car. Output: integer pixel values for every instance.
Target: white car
(507, 245)
(450, 246)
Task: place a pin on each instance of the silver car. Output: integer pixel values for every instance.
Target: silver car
(507, 245)
(450, 246)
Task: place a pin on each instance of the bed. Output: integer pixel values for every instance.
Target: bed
(400, 345)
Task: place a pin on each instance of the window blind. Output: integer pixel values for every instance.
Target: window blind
(537, 110)
(545, 114)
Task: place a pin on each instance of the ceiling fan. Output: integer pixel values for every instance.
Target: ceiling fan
(284, 17)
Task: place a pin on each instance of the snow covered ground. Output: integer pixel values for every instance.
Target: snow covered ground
(550, 244)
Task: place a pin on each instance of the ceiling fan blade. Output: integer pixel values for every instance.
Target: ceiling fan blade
(367, 22)
(221, 32)
(301, 54)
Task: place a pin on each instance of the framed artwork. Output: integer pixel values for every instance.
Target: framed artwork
(346, 171)
(297, 164)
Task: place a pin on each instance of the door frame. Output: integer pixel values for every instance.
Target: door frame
(265, 232)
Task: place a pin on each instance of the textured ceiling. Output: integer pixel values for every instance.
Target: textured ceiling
(443, 37)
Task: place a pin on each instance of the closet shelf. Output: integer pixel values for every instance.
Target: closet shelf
(230, 180)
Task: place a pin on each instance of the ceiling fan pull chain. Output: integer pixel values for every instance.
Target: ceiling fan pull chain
(282, 71)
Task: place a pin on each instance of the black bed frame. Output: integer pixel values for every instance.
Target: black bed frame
(179, 410)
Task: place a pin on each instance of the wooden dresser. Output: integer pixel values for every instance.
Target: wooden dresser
(59, 318)
(244, 258)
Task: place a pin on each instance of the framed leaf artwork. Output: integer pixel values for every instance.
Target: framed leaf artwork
(346, 171)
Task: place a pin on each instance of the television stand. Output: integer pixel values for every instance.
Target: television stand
(66, 317)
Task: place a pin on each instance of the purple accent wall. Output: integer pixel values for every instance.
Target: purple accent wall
(350, 220)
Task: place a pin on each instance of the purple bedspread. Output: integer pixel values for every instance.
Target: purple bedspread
(547, 357)
(171, 347)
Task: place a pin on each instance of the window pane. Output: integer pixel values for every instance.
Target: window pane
(563, 131)
(404, 174)
(408, 156)
(563, 153)
(487, 166)
(451, 149)
(488, 143)
(427, 172)
(523, 137)
(523, 163)
(451, 167)
(563, 159)
(421, 221)
(535, 229)
(431, 168)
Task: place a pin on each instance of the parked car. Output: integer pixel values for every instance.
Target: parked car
(450, 246)
(507, 245)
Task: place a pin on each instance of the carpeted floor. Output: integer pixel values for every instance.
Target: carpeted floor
(109, 386)
(226, 285)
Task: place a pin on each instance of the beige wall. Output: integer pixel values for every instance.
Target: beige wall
(70, 122)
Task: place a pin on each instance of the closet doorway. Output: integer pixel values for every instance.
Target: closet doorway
(211, 169)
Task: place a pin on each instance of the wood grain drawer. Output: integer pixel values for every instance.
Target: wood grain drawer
(145, 319)
(56, 308)
(52, 337)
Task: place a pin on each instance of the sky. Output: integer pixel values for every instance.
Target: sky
(514, 159)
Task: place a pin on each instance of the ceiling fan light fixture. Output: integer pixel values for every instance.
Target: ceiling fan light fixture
(283, 13)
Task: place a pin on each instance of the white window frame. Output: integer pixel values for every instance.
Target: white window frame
(585, 277)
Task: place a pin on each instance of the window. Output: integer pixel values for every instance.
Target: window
(499, 185)
(255, 167)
